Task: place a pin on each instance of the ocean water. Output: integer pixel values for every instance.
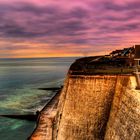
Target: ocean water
(19, 94)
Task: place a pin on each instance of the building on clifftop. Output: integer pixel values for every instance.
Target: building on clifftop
(137, 55)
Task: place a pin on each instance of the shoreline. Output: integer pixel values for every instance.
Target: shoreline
(49, 106)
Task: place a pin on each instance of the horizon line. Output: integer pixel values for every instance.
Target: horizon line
(40, 57)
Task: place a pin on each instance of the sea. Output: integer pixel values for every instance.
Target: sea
(20, 80)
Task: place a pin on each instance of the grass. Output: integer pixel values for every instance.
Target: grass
(113, 71)
(104, 71)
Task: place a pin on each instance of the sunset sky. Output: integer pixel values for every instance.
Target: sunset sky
(50, 28)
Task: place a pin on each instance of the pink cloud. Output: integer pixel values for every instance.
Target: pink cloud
(97, 25)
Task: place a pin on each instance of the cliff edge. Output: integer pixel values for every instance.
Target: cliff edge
(93, 107)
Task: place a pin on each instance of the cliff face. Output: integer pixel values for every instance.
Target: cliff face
(95, 108)
(98, 107)
(124, 120)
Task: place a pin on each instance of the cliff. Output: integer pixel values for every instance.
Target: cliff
(124, 119)
(85, 107)
(95, 108)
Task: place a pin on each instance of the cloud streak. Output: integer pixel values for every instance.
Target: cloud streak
(99, 25)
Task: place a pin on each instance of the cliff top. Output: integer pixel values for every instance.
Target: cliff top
(117, 62)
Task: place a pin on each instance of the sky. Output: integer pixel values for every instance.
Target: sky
(56, 28)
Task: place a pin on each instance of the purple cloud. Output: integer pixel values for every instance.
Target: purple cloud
(95, 24)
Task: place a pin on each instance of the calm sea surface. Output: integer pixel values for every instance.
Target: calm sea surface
(19, 94)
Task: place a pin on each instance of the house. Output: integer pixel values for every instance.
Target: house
(115, 53)
(137, 55)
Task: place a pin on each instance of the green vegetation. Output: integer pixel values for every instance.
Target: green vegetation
(101, 65)
(111, 71)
